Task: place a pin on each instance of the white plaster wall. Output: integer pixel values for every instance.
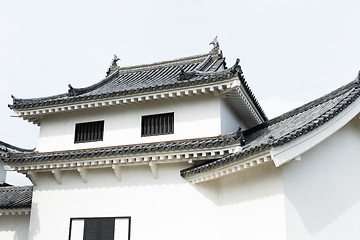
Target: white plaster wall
(322, 194)
(14, 227)
(194, 117)
(251, 204)
(230, 122)
(165, 208)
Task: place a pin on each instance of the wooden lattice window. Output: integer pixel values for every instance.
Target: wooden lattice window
(89, 131)
(111, 228)
(157, 124)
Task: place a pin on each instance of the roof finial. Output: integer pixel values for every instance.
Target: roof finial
(239, 134)
(236, 68)
(113, 65)
(215, 43)
(13, 98)
(71, 91)
(114, 61)
(182, 75)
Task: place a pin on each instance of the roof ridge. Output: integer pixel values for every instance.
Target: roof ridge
(177, 61)
(137, 68)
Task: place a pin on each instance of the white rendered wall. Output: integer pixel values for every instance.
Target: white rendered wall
(251, 204)
(14, 227)
(230, 122)
(165, 208)
(194, 117)
(322, 193)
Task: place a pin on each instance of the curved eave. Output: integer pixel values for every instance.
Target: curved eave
(232, 167)
(152, 154)
(116, 162)
(5, 147)
(212, 84)
(195, 144)
(129, 159)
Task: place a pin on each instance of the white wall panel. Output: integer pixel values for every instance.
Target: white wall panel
(14, 227)
(322, 194)
(251, 204)
(165, 208)
(195, 117)
(229, 121)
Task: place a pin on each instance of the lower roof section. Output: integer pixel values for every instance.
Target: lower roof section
(8, 148)
(12, 197)
(188, 144)
(285, 128)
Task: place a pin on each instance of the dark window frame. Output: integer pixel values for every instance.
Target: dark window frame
(89, 131)
(157, 124)
(80, 218)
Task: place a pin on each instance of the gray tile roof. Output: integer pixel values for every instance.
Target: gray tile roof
(5, 147)
(182, 72)
(288, 126)
(142, 78)
(15, 197)
(27, 157)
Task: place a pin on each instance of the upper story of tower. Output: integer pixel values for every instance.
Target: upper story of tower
(186, 98)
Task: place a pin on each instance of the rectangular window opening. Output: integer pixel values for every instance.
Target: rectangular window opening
(109, 228)
(158, 124)
(89, 132)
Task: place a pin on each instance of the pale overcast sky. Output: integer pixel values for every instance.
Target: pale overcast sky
(291, 51)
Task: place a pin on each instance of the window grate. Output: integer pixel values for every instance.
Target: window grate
(99, 229)
(102, 228)
(158, 124)
(89, 131)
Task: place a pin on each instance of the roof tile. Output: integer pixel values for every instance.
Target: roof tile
(288, 126)
(24, 157)
(15, 197)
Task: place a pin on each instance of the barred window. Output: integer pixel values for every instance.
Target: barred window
(112, 228)
(157, 124)
(89, 131)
